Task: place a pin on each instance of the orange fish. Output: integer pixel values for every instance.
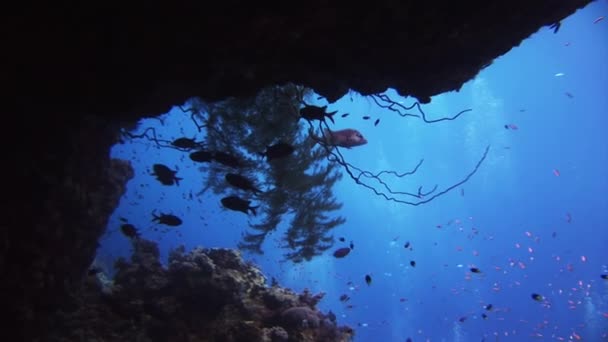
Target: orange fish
(344, 138)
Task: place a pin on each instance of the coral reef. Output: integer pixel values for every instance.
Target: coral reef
(203, 295)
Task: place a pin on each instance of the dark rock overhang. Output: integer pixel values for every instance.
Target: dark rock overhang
(136, 61)
(76, 73)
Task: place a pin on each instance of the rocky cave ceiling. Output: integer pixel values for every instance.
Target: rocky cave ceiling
(134, 61)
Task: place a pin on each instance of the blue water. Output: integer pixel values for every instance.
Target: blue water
(533, 219)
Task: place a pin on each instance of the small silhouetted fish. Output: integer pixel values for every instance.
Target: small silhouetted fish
(278, 150)
(368, 279)
(342, 239)
(537, 297)
(241, 182)
(569, 94)
(366, 117)
(309, 113)
(604, 276)
(167, 219)
(165, 175)
(488, 307)
(352, 245)
(201, 156)
(475, 270)
(341, 252)
(227, 159)
(556, 26)
(238, 204)
(320, 97)
(407, 245)
(409, 339)
(344, 115)
(413, 263)
(344, 298)
(185, 143)
(484, 316)
(129, 230)
(376, 122)
(462, 319)
(122, 219)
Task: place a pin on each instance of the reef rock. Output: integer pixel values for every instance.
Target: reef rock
(204, 295)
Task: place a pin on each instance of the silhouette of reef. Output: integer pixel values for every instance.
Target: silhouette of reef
(203, 295)
(74, 75)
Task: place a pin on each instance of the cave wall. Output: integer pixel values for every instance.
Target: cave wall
(74, 74)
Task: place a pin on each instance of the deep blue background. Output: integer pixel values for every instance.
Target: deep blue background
(514, 192)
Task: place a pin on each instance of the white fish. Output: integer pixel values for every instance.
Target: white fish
(559, 74)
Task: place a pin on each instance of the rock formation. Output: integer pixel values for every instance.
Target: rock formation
(203, 295)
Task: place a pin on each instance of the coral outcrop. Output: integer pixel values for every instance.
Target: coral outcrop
(202, 295)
